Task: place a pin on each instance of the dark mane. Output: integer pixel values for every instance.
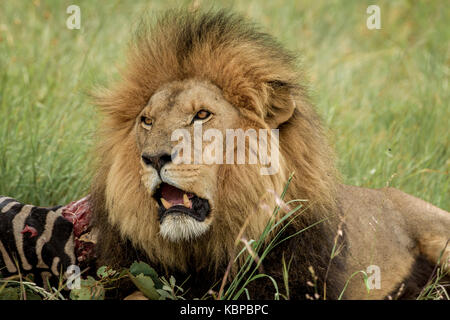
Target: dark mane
(260, 79)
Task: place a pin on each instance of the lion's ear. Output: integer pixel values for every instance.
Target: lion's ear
(281, 104)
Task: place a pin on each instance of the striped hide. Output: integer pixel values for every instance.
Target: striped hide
(34, 240)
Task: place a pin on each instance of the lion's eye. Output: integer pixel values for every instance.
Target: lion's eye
(202, 115)
(146, 121)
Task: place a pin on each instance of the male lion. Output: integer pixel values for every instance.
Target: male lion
(219, 70)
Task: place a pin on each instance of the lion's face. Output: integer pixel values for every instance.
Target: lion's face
(185, 193)
(220, 72)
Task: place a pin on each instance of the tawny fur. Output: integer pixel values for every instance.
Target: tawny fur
(260, 80)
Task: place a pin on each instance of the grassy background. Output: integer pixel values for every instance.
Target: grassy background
(383, 93)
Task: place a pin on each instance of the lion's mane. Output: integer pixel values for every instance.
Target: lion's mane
(259, 78)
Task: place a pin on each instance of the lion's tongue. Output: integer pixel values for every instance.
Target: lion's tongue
(172, 194)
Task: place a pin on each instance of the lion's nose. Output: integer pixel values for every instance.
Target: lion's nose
(156, 161)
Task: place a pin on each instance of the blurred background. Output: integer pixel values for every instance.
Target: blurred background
(384, 94)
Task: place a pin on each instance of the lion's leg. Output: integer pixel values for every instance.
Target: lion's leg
(428, 224)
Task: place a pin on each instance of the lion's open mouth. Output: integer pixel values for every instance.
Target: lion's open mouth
(174, 201)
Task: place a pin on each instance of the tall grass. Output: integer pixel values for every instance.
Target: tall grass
(256, 250)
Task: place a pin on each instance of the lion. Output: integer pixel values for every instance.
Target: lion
(219, 70)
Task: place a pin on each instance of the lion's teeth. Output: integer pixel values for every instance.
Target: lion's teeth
(165, 203)
(187, 203)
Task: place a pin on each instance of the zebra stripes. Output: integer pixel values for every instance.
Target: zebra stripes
(28, 242)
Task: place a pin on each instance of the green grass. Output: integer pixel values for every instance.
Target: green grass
(384, 94)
